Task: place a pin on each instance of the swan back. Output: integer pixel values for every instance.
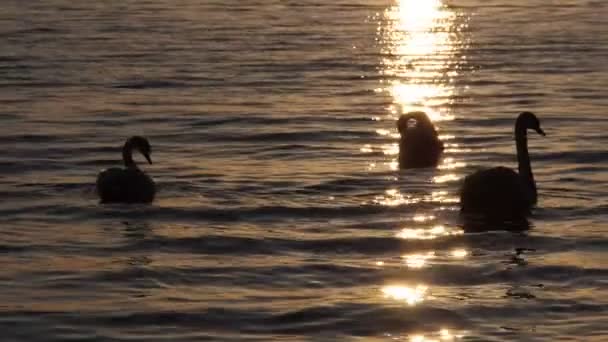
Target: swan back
(129, 185)
(497, 193)
(419, 145)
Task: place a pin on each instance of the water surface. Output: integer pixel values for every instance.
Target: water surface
(281, 214)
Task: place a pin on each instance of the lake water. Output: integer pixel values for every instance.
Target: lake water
(280, 212)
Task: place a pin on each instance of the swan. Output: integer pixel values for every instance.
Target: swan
(128, 185)
(419, 145)
(501, 192)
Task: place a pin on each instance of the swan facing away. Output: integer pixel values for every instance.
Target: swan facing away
(419, 145)
(501, 192)
(128, 185)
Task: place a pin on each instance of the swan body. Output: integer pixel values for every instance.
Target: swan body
(130, 184)
(501, 192)
(419, 145)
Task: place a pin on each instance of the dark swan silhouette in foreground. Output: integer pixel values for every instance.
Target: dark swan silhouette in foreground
(128, 185)
(500, 192)
(419, 145)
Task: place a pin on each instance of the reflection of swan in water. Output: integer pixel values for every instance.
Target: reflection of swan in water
(472, 224)
(419, 145)
(128, 185)
(501, 192)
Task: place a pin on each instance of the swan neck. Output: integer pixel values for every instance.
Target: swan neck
(523, 159)
(127, 155)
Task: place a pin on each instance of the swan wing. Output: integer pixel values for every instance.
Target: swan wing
(110, 184)
(125, 186)
(494, 192)
(141, 186)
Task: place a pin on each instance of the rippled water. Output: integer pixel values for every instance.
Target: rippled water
(280, 213)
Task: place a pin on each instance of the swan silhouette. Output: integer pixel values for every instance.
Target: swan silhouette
(501, 192)
(419, 145)
(128, 185)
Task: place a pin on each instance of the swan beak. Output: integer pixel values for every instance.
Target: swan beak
(148, 158)
(540, 131)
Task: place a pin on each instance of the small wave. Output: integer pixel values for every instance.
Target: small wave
(551, 274)
(219, 244)
(574, 157)
(265, 120)
(151, 84)
(348, 184)
(36, 30)
(341, 319)
(363, 320)
(13, 249)
(30, 138)
(317, 135)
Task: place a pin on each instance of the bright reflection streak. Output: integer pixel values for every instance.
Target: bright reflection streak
(421, 45)
(455, 148)
(427, 234)
(450, 177)
(419, 338)
(423, 218)
(442, 335)
(411, 295)
(382, 131)
(393, 198)
(367, 148)
(418, 260)
(446, 137)
(394, 165)
(450, 164)
(390, 149)
(442, 197)
(459, 253)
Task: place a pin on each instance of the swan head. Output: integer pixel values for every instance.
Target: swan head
(528, 120)
(420, 119)
(142, 145)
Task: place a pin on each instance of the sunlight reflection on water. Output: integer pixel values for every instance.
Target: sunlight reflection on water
(441, 335)
(460, 253)
(421, 42)
(423, 218)
(393, 197)
(427, 233)
(409, 295)
(421, 46)
(418, 260)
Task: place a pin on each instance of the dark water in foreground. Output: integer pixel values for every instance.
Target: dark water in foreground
(280, 214)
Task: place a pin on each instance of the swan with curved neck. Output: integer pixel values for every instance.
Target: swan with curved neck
(419, 145)
(501, 192)
(128, 185)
